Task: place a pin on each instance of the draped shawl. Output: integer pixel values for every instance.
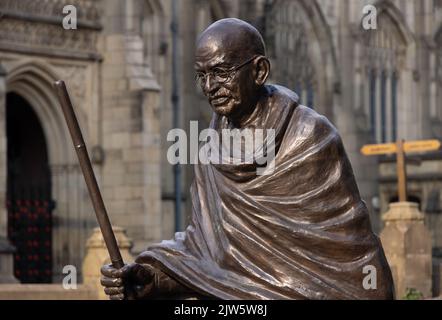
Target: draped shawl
(302, 232)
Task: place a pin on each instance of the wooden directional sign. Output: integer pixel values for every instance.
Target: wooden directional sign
(400, 148)
(377, 149)
(420, 146)
(409, 146)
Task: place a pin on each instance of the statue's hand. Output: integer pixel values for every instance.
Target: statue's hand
(133, 281)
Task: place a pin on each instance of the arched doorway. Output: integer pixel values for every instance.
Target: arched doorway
(29, 200)
(32, 80)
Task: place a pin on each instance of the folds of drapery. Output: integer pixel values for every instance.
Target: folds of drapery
(302, 232)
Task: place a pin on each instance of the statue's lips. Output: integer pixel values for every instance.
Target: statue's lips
(219, 101)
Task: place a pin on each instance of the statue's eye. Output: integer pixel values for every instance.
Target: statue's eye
(221, 74)
(220, 71)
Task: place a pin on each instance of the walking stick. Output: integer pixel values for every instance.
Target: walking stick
(89, 176)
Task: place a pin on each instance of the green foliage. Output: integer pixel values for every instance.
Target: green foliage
(413, 294)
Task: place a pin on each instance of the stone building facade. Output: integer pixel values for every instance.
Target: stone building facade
(374, 85)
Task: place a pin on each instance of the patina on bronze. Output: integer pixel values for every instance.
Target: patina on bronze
(88, 173)
(302, 232)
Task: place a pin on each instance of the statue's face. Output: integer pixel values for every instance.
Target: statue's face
(226, 78)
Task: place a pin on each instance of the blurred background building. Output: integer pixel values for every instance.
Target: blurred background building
(374, 85)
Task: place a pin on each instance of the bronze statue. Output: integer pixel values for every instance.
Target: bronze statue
(302, 232)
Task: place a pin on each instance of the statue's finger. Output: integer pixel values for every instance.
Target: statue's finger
(109, 271)
(117, 297)
(112, 291)
(105, 270)
(111, 282)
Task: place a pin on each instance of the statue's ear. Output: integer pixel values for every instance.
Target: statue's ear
(262, 70)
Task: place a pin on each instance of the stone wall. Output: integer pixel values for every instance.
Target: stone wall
(130, 126)
(407, 245)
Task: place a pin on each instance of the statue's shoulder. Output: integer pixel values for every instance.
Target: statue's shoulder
(281, 96)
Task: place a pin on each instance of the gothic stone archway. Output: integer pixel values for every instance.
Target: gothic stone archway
(299, 40)
(28, 197)
(32, 81)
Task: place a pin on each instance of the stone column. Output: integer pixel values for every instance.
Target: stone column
(433, 99)
(60, 218)
(378, 120)
(6, 261)
(367, 93)
(407, 245)
(3, 154)
(6, 249)
(388, 106)
(97, 255)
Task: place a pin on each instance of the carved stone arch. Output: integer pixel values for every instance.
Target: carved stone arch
(392, 22)
(323, 32)
(321, 51)
(388, 63)
(154, 33)
(388, 7)
(33, 81)
(155, 6)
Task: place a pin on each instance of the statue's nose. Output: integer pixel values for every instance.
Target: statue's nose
(210, 84)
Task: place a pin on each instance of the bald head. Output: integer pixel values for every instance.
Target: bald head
(231, 67)
(236, 38)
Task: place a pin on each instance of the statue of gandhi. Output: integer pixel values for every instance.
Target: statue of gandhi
(300, 232)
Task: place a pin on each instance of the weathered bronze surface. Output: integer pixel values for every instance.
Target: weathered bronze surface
(302, 232)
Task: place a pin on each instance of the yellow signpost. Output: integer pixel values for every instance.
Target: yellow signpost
(421, 146)
(377, 149)
(409, 146)
(400, 148)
